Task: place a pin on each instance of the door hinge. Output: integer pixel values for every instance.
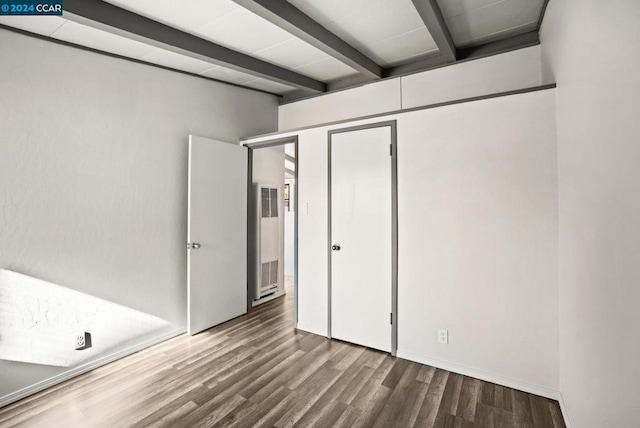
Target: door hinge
(390, 149)
(391, 318)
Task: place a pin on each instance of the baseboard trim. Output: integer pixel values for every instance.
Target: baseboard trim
(312, 330)
(482, 375)
(69, 374)
(565, 411)
(267, 299)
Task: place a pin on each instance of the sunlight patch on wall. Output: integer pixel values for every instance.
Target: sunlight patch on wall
(39, 321)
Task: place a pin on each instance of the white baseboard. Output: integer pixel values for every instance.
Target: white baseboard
(482, 375)
(311, 330)
(76, 371)
(266, 299)
(565, 411)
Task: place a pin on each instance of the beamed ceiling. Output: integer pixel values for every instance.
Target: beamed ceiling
(293, 48)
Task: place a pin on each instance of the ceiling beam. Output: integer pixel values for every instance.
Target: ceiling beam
(105, 16)
(351, 81)
(293, 20)
(431, 62)
(431, 14)
(500, 46)
(428, 62)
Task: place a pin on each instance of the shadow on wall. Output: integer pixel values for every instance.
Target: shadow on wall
(39, 322)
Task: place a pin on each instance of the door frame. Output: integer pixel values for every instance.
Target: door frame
(293, 139)
(394, 223)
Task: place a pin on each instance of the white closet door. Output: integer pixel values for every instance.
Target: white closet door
(217, 233)
(361, 237)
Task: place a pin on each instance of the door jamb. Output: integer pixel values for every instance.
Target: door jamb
(394, 223)
(293, 139)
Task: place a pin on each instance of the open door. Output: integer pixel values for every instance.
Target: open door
(217, 233)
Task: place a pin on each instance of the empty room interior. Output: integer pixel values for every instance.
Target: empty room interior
(320, 213)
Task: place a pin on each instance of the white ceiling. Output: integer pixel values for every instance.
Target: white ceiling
(83, 35)
(229, 75)
(480, 21)
(72, 32)
(230, 25)
(387, 31)
(390, 32)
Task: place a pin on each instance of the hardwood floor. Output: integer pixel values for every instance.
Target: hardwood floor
(256, 371)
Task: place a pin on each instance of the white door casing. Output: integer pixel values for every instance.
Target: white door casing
(217, 233)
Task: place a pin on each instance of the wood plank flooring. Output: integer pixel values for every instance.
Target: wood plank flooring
(257, 371)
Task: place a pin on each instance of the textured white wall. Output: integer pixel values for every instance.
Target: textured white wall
(498, 73)
(40, 320)
(93, 172)
(590, 49)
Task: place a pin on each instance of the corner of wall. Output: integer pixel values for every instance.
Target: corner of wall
(565, 411)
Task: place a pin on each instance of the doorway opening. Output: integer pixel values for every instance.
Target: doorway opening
(272, 221)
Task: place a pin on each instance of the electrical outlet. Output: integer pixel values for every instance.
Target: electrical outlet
(82, 341)
(443, 336)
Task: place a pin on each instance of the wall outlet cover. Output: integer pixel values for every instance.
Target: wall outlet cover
(82, 341)
(443, 336)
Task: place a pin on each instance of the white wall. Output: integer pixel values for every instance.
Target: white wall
(375, 98)
(268, 166)
(313, 241)
(478, 237)
(590, 49)
(93, 172)
(40, 320)
(477, 195)
(499, 73)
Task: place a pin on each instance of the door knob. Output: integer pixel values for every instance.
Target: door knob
(193, 246)
(336, 247)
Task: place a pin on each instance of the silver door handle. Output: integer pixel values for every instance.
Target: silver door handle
(193, 246)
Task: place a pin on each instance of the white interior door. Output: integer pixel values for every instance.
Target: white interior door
(217, 233)
(361, 237)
